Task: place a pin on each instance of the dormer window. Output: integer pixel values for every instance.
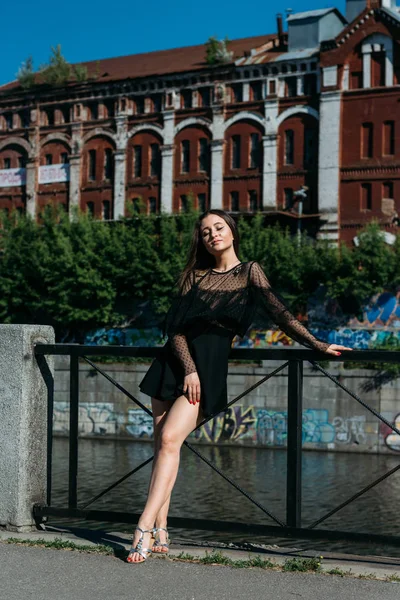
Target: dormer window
(377, 51)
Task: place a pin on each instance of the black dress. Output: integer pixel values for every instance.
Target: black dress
(204, 317)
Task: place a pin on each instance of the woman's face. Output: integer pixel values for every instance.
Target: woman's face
(216, 234)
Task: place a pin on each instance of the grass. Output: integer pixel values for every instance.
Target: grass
(59, 544)
(215, 557)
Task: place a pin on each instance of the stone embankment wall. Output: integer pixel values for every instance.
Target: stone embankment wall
(332, 420)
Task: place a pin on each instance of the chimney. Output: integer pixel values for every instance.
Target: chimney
(279, 23)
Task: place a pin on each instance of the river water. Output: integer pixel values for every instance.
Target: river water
(328, 480)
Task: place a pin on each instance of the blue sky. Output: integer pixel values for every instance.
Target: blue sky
(89, 30)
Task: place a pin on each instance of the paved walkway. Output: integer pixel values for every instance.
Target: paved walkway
(46, 574)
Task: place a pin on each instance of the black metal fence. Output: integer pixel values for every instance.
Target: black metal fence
(293, 359)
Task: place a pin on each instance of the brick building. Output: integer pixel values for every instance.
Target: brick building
(315, 106)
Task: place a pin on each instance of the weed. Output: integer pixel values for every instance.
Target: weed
(303, 564)
(59, 544)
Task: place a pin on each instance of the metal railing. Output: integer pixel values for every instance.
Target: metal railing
(293, 359)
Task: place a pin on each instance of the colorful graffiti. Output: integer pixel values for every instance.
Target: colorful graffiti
(139, 424)
(237, 422)
(391, 438)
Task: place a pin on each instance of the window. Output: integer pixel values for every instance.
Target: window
(108, 163)
(310, 84)
(203, 155)
(366, 196)
(289, 147)
(253, 200)
(21, 162)
(8, 120)
(64, 158)
(49, 159)
(152, 205)
(108, 110)
(388, 138)
(136, 205)
(155, 160)
(237, 92)
(139, 105)
(288, 198)
(256, 90)
(185, 156)
(254, 151)
(24, 118)
(378, 60)
(137, 161)
(234, 201)
(387, 189)
(367, 140)
(106, 210)
(90, 208)
(92, 165)
(186, 99)
(93, 112)
(157, 104)
(183, 203)
(310, 148)
(201, 202)
(291, 86)
(7, 163)
(50, 116)
(356, 80)
(272, 87)
(205, 96)
(235, 159)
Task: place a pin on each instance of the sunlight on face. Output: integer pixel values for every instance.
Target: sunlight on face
(215, 233)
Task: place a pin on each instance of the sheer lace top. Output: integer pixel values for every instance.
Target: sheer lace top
(235, 300)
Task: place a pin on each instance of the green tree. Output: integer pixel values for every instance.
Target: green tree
(26, 74)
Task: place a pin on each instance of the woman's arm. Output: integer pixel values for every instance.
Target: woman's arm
(278, 312)
(178, 341)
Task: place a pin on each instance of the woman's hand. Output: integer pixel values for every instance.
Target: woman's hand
(335, 349)
(191, 387)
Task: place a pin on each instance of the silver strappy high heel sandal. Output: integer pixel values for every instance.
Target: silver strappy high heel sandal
(144, 552)
(158, 544)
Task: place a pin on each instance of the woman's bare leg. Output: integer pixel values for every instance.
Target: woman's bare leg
(180, 420)
(160, 410)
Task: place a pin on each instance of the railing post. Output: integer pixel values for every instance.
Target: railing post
(73, 431)
(294, 442)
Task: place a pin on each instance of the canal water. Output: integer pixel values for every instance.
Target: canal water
(328, 480)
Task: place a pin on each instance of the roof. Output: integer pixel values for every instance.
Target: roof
(321, 12)
(162, 62)
(297, 54)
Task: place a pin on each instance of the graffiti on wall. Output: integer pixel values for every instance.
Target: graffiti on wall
(390, 437)
(94, 418)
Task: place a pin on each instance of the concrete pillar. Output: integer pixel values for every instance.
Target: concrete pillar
(23, 424)
(167, 159)
(119, 183)
(217, 174)
(300, 85)
(31, 186)
(389, 67)
(74, 182)
(270, 145)
(329, 159)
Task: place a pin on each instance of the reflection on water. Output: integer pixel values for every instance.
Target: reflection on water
(328, 480)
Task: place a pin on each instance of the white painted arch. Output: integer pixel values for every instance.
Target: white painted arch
(193, 121)
(98, 132)
(56, 137)
(16, 141)
(295, 110)
(146, 126)
(244, 116)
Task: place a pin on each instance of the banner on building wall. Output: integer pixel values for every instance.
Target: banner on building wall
(54, 173)
(12, 177)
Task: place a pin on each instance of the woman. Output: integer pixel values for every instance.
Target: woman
(218, 298)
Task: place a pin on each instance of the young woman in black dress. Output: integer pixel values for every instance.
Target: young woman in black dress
(218, 297)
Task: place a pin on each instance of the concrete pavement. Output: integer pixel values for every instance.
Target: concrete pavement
(46, 574)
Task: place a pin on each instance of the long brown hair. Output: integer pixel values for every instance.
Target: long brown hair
(199, 257)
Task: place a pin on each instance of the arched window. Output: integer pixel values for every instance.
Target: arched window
(377, 51)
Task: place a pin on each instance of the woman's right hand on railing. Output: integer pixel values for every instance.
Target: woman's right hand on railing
(191, 387)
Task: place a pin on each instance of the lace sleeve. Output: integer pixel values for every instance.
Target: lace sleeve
(178, 341)
(268, 302)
